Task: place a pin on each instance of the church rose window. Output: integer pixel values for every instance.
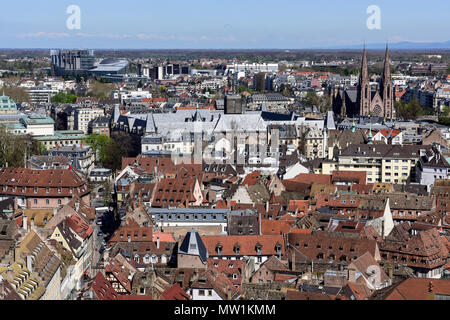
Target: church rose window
(377, 110)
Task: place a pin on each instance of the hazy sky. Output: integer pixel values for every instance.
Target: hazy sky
(202, 24)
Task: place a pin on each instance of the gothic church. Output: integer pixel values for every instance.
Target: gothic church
(363, 100)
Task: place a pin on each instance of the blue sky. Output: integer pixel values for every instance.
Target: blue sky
(211, 24)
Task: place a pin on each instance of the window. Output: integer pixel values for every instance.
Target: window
(201, 293)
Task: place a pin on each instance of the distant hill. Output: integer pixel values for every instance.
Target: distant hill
(405, 45)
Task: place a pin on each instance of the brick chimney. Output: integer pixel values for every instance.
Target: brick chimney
(352, 275)
(293, 260)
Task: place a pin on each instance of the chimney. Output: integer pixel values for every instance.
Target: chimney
(29, 263)
(157, 242)
(260, 224)
(352, 275)
(25, 222)
(229, 293)
(293, 260)
(391, 272)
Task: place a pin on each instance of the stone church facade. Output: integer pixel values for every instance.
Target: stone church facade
(365, 100)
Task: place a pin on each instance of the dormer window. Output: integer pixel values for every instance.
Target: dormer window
(258, 249)
(219, 249)
(278, 248)
(237, 249)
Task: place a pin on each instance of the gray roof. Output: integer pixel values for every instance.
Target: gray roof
(189, 215)
(193, 245)
(330, 121)
(384, 151)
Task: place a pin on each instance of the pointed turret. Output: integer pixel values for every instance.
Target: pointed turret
(364, 68)
(364, 90)
(388, 221)
(344, 106)
(370, 132)
(387, 93)
(387, 68)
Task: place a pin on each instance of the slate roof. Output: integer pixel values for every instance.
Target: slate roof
(193, 245)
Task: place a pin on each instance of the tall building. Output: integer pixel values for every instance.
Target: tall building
(367, 102)
(233, 104)
(72, 62)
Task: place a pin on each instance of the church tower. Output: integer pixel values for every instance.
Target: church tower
(386, 89)
(364, 90)
(344, 106)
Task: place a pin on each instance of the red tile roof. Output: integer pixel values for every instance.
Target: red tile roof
(310, 178)
(229, 268)
(275, 227)
(419, 289)
(115, 268)
(134, 231)
(79, 226)
(175, 292)
(103, 288)
(247, 244)
(357, 177)
(46, 183)
(298, 205)
(251, 179)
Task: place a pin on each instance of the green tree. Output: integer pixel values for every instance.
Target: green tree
(409, 111)
(99, 144)
(162, 89)
(100, 90)
(18, 95)
(62, 98)
(15, 150)
(311, 99)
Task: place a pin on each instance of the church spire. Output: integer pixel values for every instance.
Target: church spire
(387, 92)
(387, 67)
(344, 106)
(364, 90)
(364, 67)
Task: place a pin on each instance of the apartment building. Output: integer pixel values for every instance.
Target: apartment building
(382, 163)
(84, 116)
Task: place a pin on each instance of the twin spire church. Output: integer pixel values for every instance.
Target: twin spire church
(365, 100)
